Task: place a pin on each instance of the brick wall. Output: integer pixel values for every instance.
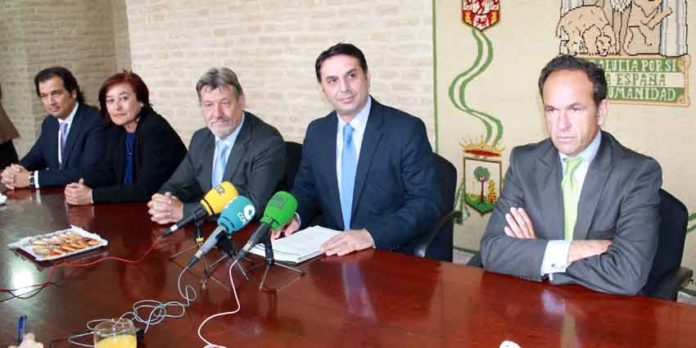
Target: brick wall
(121, 35)
(16, 89)
(77, 34)
(272, 46)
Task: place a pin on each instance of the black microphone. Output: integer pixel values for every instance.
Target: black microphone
(234, 217)
(211, 204)
(279, 211)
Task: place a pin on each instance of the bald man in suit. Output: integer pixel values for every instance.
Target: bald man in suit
(578, 207)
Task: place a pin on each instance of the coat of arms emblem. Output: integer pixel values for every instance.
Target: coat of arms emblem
(481, 14)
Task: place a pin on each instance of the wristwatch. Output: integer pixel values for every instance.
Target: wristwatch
(32, 184)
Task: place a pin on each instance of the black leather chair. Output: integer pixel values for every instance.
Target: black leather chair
(667, 275)
(437, 243)
(293, 155)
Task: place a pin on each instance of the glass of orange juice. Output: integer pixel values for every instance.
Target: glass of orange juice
(115, 333)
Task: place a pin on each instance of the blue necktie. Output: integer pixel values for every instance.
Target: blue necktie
(349, 164)
(220, 163)
(63, 139)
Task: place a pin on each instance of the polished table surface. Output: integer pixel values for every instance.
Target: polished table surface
(367, 299)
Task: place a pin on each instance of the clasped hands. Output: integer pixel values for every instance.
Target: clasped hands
(165, 208)
(77, 193)
(520, 226)
(15, 176)
(341, 244)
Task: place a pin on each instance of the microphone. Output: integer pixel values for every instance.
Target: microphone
(279, 211)
(211, 204)
(237, 214)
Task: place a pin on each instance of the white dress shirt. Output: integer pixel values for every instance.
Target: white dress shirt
(359, 122)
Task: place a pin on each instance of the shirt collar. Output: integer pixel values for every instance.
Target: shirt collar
(70, 117)
(359, 122)
(590, 151)
(230, 139)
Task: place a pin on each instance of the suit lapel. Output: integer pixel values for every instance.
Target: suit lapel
(51, 144)
(120, 155)
(208, 157)
(595, 180)
(370, 142)
(239, 149)
(326, 153)
(551, 197)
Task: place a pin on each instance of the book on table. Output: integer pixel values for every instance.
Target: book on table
(299, 246)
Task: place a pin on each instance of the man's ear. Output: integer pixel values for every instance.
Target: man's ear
(602, 110)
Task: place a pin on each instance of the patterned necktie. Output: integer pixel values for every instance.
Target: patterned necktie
(349, 164)
(571, 196)
(220, 163)
(63, 139)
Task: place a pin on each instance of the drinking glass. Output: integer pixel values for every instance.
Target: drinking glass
(115, 333)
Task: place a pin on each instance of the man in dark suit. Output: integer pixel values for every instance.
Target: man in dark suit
(366, 167)
(72, 136)
(578, 207)
(236, 146)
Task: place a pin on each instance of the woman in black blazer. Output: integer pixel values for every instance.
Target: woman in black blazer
(142, 149)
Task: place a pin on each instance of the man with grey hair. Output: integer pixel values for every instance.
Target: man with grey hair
(235, 146)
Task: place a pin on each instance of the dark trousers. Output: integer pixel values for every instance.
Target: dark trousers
(8, 154)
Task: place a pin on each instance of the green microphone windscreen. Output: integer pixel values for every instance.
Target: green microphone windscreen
(279, 210)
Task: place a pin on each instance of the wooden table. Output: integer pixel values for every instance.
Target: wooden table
(367, 299)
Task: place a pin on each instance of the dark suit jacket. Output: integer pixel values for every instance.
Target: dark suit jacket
(255, 165)
(619, 201)
(395, 196)
(83, 148)
(158, 151)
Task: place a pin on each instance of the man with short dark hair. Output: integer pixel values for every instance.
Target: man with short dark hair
(367, 168)
(235, 146)
(577, 207)
(72, 137)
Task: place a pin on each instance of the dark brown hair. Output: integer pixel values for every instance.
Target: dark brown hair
(142, 94)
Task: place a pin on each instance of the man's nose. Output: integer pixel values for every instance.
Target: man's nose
(219, 110)
(343, 85)
(563, 121)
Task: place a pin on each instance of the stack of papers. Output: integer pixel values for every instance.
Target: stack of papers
(299, 246)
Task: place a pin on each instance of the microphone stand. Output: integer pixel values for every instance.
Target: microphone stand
(226, 245)
(199, 240)
(270, 261)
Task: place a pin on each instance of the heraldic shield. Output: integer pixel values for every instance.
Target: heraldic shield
(482, 183)
(481, 14)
